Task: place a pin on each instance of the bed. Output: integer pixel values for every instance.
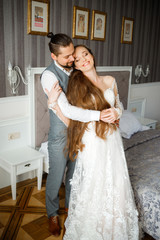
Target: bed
(142, 151)
(142, 147)
(143, 158)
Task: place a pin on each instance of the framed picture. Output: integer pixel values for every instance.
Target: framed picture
(38, 17)
(127, 30)
(80, 22)
(98, 31)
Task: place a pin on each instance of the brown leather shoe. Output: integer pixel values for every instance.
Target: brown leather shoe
(54, 226)
(66, 210)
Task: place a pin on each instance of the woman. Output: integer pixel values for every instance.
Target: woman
(101, 201)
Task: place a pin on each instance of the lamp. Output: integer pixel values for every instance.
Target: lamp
(15, 76)
(139, 71)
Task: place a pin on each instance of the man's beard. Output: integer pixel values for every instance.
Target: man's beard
(66, 66)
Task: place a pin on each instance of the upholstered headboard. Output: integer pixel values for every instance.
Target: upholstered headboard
(39, 114)
(123, 79)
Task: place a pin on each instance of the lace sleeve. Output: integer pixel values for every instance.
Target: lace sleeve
(118, 105)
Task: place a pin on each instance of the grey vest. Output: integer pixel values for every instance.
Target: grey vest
(57, 127)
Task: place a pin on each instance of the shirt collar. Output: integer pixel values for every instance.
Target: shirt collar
(66, 72)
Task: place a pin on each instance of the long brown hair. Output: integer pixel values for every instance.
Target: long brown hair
(81, 92)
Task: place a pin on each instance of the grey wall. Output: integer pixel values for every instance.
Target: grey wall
(23, 49)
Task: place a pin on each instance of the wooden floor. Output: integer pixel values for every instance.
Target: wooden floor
(25, 218)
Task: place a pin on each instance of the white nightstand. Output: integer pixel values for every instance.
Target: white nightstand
(21, 160)
(148, 122)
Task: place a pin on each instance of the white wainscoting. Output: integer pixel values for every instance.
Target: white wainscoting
(151, 92)
(13, 107)
(15, 126)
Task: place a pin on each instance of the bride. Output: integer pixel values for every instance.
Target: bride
(102, 203)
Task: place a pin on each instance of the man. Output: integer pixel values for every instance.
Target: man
(61, 48)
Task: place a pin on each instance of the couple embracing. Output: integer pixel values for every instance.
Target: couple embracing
(84, 137)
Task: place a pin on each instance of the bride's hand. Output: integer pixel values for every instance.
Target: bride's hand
(54, 93)
(108, 115)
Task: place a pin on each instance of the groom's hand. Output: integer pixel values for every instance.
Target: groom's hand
(54, 93)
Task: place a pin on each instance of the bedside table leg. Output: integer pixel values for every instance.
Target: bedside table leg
(39, 175)
(13, 182)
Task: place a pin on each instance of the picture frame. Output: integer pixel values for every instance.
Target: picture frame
(127, 30)
(98, 31)
(80, 22)
(38, 17)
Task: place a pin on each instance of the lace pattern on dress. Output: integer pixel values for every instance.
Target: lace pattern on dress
(101, 203)
(118, 105)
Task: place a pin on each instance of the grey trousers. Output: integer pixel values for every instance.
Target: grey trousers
(57, 165)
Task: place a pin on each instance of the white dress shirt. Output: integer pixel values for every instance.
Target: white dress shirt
(69, 111)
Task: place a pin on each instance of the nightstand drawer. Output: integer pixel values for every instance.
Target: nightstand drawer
(152, 125)
(28, 166)
(148, 122)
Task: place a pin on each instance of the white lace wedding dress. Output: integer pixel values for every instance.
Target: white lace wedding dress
(101, 201)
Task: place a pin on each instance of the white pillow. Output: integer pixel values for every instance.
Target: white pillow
(129, 124)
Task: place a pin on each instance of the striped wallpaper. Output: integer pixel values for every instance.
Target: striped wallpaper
(23, 49)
